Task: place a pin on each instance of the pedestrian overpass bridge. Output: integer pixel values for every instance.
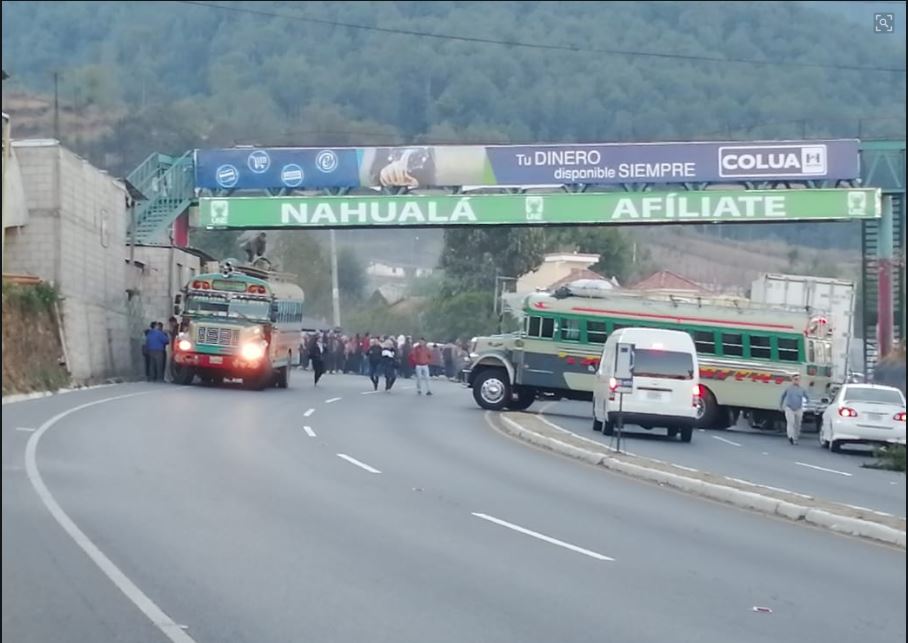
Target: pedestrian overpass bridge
(568, 184)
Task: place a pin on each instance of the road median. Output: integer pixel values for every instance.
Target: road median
(740, 493)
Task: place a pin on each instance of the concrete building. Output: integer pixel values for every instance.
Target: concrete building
(66, 222)
(70, 230)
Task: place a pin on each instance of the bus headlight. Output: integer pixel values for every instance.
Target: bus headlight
(184, 345)
(252, 351)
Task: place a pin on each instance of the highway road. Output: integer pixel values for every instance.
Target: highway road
(762, 458)
(223, 515)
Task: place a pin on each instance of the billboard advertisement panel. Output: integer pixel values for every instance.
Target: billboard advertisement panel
(526, 165)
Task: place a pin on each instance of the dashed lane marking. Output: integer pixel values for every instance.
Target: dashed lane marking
(813, 466)
(309, 431)
(542, 537)
(721, 439)
(332, 400)
(308, 413)
(361, 465)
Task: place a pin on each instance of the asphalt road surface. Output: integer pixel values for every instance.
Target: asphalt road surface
(762, 458)
(327, 515)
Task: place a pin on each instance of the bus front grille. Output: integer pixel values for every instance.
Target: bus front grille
(217, 336)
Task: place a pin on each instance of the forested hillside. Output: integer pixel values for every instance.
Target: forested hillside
(170, 76)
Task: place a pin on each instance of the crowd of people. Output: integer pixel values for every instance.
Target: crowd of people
(383, 356)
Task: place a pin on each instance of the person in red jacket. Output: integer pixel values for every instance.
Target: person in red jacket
(422, 357)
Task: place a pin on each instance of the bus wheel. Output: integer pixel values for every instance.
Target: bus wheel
(707, 410)
(687, 432)
(183, 375)
(258, 381)
(491, 389)
(523, 400)
(283, 377)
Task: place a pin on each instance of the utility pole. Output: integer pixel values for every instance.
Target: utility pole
(335, 291)
(56, 105)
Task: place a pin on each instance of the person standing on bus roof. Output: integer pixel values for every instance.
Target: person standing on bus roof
(793, 400)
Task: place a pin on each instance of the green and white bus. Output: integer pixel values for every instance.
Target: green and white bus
(241, 323)
(747, 352)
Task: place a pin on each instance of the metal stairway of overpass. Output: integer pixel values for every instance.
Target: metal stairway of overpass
(168, 185)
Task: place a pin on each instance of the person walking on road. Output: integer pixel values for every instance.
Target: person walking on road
(422, 357)
(374, 357)
(389, 361)
(793, 400)
(155, 344)
(317, 357)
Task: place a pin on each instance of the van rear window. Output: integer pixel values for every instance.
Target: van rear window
(666, 364)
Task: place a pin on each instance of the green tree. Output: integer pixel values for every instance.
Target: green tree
(351, 274)
(473, 258)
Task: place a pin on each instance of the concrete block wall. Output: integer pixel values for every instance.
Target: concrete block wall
(166, 272)
(75, 238)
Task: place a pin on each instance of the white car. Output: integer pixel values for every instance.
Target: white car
(864, 414)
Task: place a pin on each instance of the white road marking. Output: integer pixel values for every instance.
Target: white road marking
(682, 467)
(599, 444)
(553, 541)
(361, 465)
(813, 466)
(332, 400)
(368, 392)
(766, 453)
(720, 439)
(309, 431)
(308, 413)
(25, 429)
(159, 619)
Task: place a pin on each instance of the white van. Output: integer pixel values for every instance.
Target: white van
(666, 383)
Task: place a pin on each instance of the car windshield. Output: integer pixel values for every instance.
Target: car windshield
(236, 307)
(873, 395)
(667, 364)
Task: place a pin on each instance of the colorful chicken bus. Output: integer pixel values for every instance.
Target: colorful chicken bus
(747, 352)
(242, 323)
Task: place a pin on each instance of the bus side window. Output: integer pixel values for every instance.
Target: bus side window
(760, 347)
(596, 332)
(548, 328)
(811, 352)
(570, 330)
(533, 326)
(732, 344)
(789, 350)
(705, 341)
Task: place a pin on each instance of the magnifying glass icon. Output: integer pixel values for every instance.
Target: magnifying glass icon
(884, 22)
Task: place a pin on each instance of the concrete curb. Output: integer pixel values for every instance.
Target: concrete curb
(729, 495)
(25, 397)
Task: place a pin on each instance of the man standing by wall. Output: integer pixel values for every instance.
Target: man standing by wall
(793, 400)
(155, 344)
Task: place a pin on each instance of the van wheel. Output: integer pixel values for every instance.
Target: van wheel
(608, 428)
(491, 389)
(524, 399)
(597, 425)
(672, 432)
(687, 432)
(835, 446)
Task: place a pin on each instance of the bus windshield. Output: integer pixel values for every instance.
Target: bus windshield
(258, 309)
(665, 364)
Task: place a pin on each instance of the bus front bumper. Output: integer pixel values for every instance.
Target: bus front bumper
(227, 363)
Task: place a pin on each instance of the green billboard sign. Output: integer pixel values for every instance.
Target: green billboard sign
(539, 209)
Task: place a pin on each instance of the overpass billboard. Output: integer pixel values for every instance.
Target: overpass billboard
(307, 168)
(602, 208)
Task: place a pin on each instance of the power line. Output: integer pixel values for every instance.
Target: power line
(529, 45)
